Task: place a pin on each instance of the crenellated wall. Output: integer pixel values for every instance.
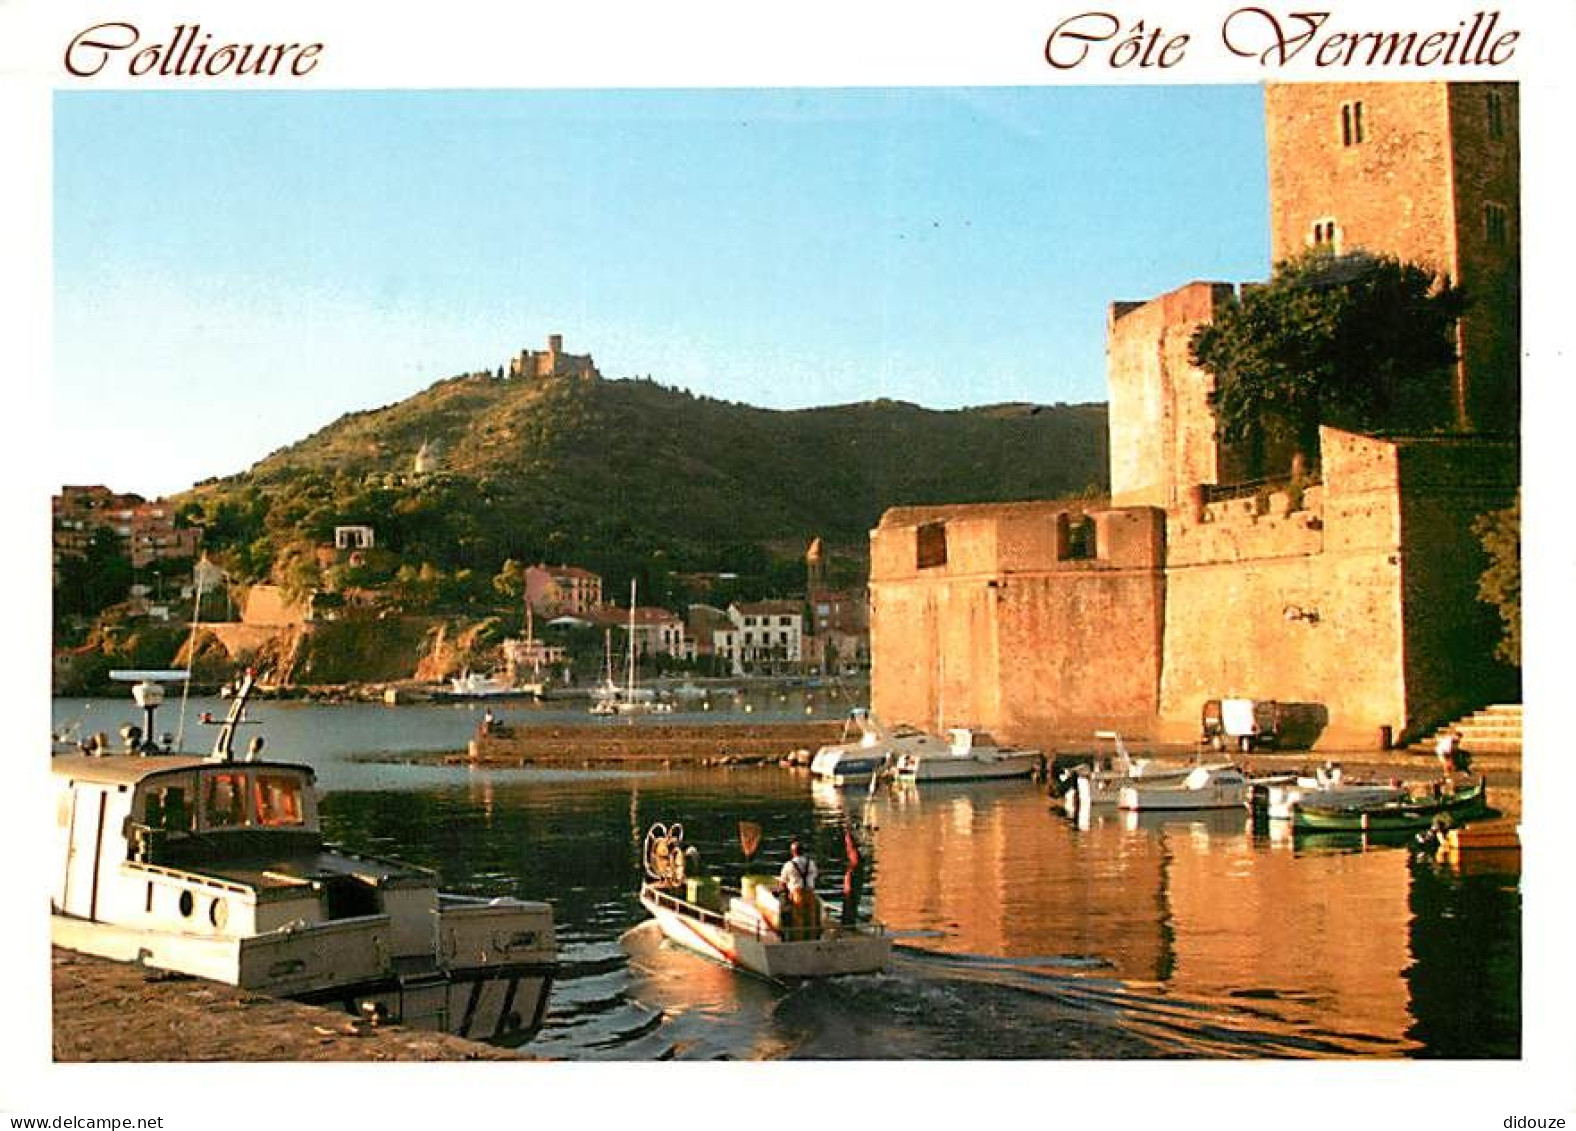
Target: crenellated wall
(1027, 628)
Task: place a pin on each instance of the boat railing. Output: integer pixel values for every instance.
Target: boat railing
(674, 903)
(195, 879)
(706, 915)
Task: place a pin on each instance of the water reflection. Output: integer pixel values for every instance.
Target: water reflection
(1020, 933)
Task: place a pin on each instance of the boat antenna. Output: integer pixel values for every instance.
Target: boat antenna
(224, 744)
(191, 660)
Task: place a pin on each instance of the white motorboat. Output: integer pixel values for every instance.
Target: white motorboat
(1325, 788)
(858, 760)
(475, 685)
(1102, 781)
(744, 928)
(1219, 786)
(970, 755)
(216, 867)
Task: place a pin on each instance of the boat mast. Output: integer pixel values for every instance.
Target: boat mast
(630, 694)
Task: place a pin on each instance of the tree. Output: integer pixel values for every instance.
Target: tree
(85, 586)
(1500, 585)
(1356, 341)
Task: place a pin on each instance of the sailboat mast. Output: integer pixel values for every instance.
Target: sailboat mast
(631, 677)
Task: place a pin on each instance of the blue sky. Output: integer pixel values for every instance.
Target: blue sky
(235, 270)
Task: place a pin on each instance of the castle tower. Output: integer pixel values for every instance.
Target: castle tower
(1429, 172)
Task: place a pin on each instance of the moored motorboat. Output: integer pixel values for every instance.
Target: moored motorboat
(1327, 787)
(1101, 781)
(968, 756)
(744, 928)
(858, 760)
(1221, 786)
(216, 867)
(1408, 814)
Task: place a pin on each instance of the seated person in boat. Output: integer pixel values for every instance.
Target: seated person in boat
(796, 888)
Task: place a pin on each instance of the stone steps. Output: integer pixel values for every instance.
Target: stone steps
(1495, 729)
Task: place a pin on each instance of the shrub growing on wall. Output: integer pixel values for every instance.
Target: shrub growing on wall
(1359, 341)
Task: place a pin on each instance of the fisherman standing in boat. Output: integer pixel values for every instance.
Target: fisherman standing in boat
(796, 881)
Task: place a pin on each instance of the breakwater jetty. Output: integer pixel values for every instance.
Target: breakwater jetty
(646, 743)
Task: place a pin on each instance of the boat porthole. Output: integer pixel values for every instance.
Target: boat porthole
(218, 913)
(187, 904)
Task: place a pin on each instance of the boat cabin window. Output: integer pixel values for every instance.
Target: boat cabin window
(169, 807)
(278, 800)
(224, 800)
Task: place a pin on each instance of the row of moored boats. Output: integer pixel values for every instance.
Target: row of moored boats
(1325, 800)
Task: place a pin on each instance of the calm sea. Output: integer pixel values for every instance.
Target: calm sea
(1020, 934)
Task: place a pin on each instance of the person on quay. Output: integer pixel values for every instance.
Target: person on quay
(796, 888)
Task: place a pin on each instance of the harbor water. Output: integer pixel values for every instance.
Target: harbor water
(1019, 933)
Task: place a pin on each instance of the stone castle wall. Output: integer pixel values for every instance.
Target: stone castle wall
(1299, 602)
(1015, 632)
(1162, 432)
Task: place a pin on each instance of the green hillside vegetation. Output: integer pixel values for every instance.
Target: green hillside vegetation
(628, 478)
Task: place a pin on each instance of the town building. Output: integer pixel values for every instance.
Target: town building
(562, 590)
(768, 636)
(1348, 592)
(147, 532)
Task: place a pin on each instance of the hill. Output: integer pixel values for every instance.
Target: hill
(631, 477)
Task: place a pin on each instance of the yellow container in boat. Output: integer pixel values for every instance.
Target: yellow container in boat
(753, 880)
(705, 891)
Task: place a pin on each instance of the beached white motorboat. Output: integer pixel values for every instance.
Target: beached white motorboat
(1220, 786)
(216, 867)
(744, 928)
(1101, 782)
(1326, 787)
(858, 760)
(969, 755)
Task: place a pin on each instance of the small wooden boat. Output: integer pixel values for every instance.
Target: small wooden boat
(744, 928)
(1326, 788)
(1406, 815)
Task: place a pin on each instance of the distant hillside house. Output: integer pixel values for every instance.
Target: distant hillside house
(557, 590)
(552, 362)
(146, 531)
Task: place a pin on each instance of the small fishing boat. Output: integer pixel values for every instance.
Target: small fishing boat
(1408, 814)
(859, 760)
(1221, 786)
(1101, 781)
(1327, 787)
(970, 756)
(216, 867)
(743, 928)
